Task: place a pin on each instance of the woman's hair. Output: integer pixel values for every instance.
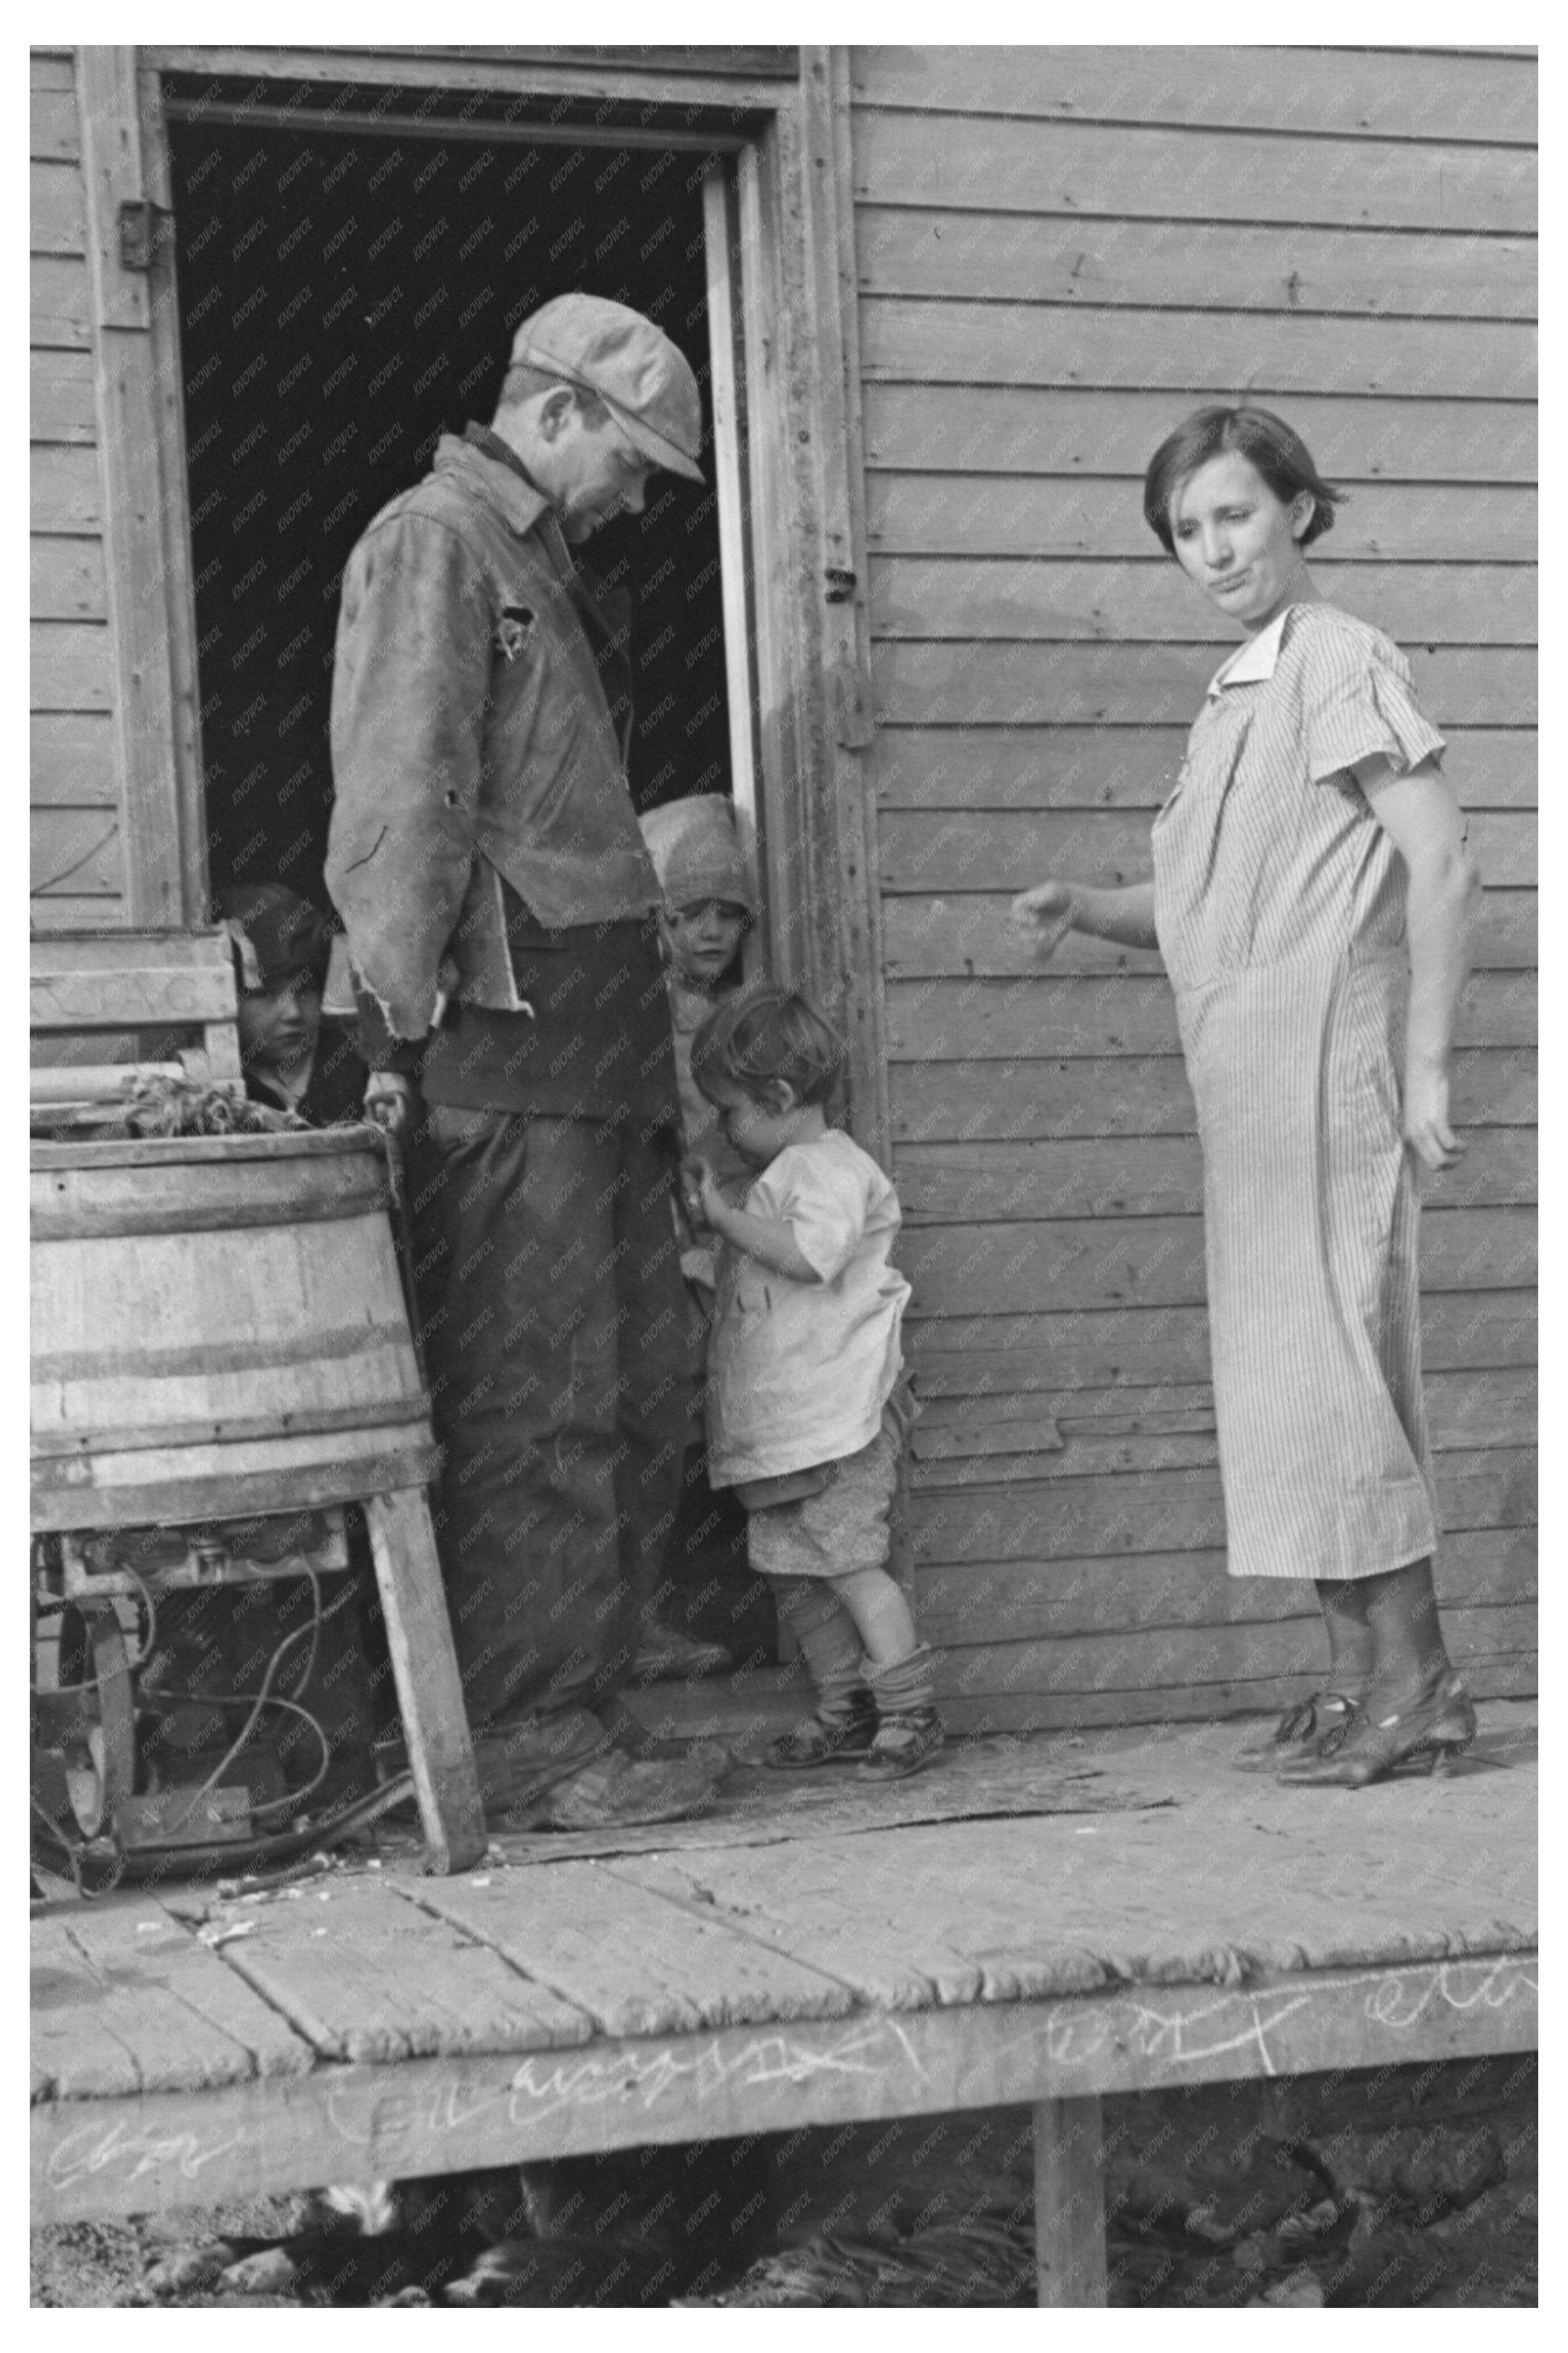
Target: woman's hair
(760, 1036)
(1281, 456)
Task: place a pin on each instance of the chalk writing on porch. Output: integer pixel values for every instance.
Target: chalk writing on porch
(543, 2085)
(132, 2151)
(376, 2121)
(1393, 2000)
(1399, 1999)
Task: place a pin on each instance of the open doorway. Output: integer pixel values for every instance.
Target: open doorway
(345, 298)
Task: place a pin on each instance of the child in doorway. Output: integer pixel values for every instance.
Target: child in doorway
(804, 1368)
(708, 907)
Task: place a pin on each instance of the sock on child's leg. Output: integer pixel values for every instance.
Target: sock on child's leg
(906, 1685)
(828, 1641)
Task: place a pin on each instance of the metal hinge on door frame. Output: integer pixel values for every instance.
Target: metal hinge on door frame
(145, 227)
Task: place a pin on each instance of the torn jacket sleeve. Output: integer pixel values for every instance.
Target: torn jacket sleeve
(410, 688)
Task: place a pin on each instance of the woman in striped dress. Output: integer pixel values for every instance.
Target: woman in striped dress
(1311, 899)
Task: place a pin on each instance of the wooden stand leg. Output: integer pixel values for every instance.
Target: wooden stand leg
(1070, 2203)
(429, 1691)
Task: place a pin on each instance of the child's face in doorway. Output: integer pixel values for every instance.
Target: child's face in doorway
(702, 939)
(278, 1026)
(760, 1131)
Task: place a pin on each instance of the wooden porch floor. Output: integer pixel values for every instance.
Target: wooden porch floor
(1034, 1921)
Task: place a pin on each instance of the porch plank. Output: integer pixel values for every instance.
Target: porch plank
(362, 1974)
(1023, 1910)
(578, 1927)
(126, 2000)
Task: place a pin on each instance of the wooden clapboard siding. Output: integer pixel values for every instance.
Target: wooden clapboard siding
(67, 580)
(1010, 1357)
(1060, 251)
(1031, 1095)
(77, 855)
(1058, 1600)
(971, 932)
(1148, 172)
(1100, 767)
(1010, 428)
(1492, 1406)
(1010, 598)
(1095, 1176)
(1354, 275)
(971, 1449)
(970, 849)
(1034, 343)
(963, 1020)
(1364, 94)
(1171, 1509)
(1039, 682)
(73, 761)
(1006, 1264)
(58, 299)
(941, 512)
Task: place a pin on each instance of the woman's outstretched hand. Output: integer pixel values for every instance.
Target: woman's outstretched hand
(1045, 915)
(1426, 1120)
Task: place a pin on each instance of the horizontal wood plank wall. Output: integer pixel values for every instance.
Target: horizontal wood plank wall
(76, 851)
(1059, 252)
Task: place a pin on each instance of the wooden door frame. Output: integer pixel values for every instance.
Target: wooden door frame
(795, 280)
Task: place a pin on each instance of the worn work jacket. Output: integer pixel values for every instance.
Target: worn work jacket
(472, 745)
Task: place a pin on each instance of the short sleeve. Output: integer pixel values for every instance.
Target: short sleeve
(826, 1204)
(1357, 703)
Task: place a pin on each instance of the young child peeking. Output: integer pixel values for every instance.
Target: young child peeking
(803, 1367)
(708, 907)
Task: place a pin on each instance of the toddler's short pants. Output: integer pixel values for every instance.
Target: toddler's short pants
(842, 1528)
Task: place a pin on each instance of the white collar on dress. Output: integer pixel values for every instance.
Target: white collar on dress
(287, 1087)
(1254, 659)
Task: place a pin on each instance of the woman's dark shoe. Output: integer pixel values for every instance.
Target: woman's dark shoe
(1300, 1732)
(1430, 1733)
(824, 1740)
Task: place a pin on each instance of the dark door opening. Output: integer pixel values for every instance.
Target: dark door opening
(345, 298)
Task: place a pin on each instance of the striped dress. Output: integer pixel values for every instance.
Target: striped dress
(1280, 905)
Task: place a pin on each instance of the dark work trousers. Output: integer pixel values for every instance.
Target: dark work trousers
(558, 1344)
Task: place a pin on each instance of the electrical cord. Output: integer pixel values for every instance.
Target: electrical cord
(253, 1703)
(262, 1698)
(225, 1855)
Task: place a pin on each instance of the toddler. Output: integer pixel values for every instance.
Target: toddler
(804, 1364)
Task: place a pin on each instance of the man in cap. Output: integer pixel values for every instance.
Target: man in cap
(500, 913)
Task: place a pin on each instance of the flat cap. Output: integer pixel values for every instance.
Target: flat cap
(643, 381)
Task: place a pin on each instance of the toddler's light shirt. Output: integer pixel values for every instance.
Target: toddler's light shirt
(798, 1373)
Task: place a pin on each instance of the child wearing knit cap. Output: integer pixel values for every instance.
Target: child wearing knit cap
(708, 907)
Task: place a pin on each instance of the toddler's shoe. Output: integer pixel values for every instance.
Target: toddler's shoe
(824, 1740)
(903, 1744)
